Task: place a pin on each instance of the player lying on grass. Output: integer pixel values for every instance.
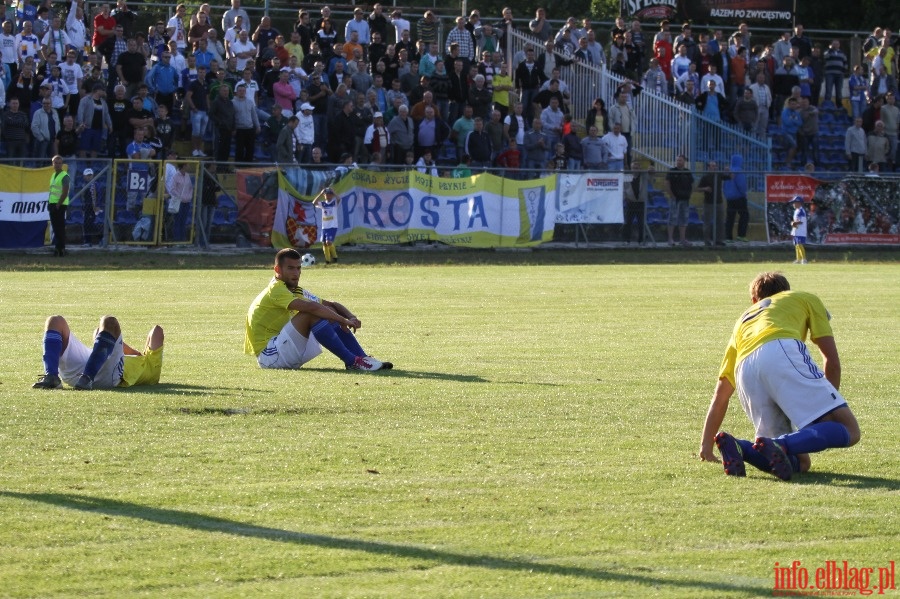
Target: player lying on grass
(779, 385)
(286, 324)
(109, 363)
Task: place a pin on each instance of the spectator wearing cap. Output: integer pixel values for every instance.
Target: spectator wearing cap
(306, 133)
(377, 138)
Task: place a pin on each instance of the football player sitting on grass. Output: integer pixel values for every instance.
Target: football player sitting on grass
(287, 324)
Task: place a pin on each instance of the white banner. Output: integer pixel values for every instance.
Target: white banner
(594, 198)
(24, 207)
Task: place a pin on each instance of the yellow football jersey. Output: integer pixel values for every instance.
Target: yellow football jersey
(785, 315)
(269, 313)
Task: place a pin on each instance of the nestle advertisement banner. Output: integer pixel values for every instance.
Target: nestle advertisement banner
(855, 209)
(763, 11)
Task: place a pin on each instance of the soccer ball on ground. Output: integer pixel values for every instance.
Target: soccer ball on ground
(307, 260)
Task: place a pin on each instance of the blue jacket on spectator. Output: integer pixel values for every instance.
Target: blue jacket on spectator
(735, 188)
(162, 78)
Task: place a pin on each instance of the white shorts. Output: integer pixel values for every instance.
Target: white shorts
(289, 349)
(75, 357)
(780, 386)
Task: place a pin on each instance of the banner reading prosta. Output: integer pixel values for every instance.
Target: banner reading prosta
(397, 207)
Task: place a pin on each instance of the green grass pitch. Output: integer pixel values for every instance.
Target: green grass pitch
(537, 437)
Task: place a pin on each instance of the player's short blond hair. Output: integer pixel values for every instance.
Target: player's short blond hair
(767, 284)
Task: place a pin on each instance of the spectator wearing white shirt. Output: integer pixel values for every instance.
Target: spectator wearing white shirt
(56, 39)
(713, 75)
(176, 30)
(616, 148)
(242, 49)
(232, 34)
(305, 133)
(27, 43)
(763, 96)
(75, 28)
(9, 50)
(72, 77)
(400, 24)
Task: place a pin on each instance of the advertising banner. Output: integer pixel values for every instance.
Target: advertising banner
(23, 206)
(399, 207)
(856, 209)
(704, 11)
(591, 198)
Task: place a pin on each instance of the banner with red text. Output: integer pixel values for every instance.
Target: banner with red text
(706, 11)
(856, 209)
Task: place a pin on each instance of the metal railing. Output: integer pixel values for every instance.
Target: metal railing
(664, 128)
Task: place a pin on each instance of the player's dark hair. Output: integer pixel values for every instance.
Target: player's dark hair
(286, 254)
(768, 284)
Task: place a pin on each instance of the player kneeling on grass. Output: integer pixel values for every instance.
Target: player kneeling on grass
(109, 363)
(779, 385)
(286, 324)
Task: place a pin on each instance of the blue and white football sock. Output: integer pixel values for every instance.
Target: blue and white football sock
(815, 437)
(52, 352)
(349, 340)
(753, 457)
(330, 340)
(103, 347)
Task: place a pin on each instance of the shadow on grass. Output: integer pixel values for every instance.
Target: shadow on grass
(195, 521)
(440, 376)
(855, 481)
(182, 389)
(217, 411)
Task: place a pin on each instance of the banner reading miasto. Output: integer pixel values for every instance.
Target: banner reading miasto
(23, 206)
(480, 212)
(765, 11)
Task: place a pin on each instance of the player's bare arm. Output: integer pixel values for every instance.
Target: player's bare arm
(831, 360)
(322, 311)
(714, 417)
(345, 312)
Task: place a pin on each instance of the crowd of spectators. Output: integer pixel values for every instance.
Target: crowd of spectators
(367, 89)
